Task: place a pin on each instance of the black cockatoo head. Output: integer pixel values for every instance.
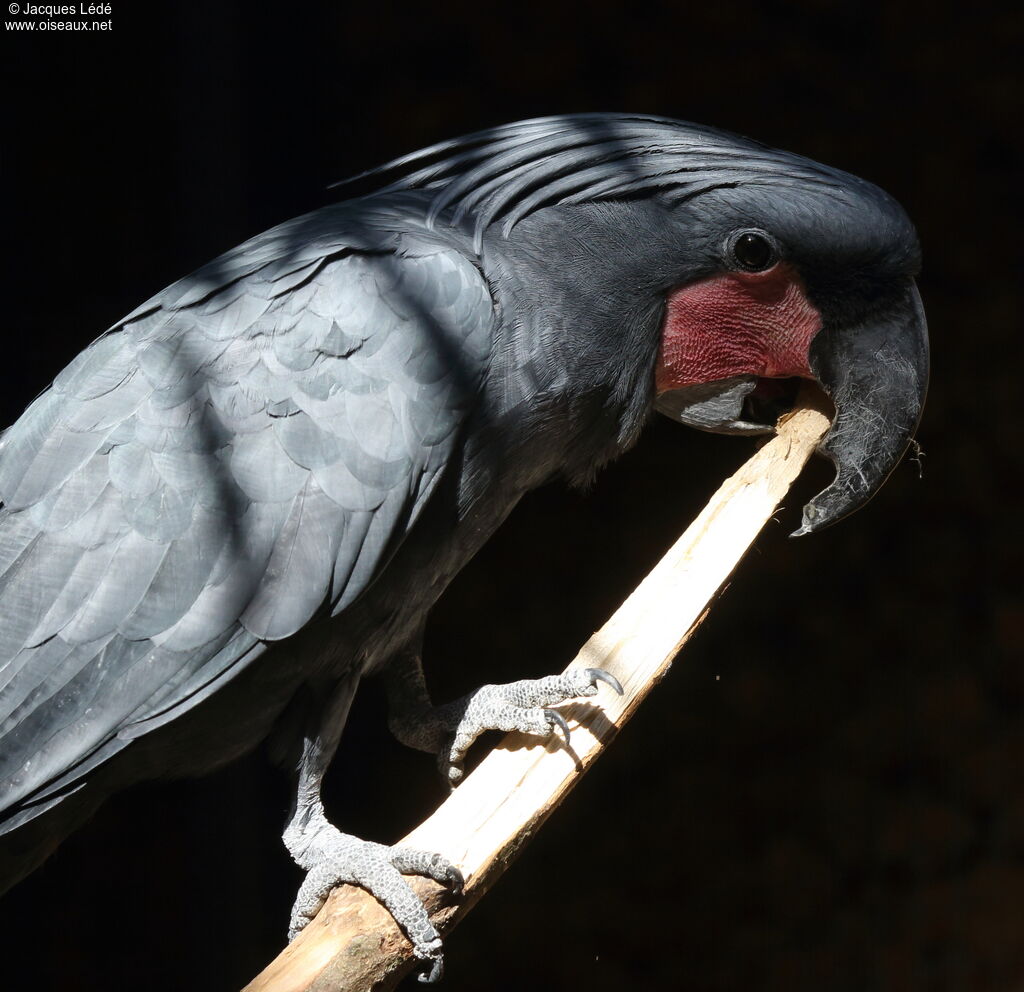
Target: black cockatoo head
(705, 271)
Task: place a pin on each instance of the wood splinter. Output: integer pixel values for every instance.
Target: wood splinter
(354, 944)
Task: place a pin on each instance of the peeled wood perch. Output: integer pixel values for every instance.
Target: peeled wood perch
(353, 944)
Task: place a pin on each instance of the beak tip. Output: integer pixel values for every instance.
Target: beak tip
(810, 522)
(876, 374)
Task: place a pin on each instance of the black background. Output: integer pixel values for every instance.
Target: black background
(827, 792)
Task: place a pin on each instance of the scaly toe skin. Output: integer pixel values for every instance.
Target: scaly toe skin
(451, 772)
(518, 706)
(333, 858)
(411, 861)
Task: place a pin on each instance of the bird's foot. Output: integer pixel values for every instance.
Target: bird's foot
(333, 858)
(520, 706)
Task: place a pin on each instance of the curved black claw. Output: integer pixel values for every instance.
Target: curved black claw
(435, 974)
(557, 720)
(454, 880)
(600, 675)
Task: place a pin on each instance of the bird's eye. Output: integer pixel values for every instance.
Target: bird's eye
(752, 251)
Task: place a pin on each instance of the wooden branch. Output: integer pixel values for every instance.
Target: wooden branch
(354, 944)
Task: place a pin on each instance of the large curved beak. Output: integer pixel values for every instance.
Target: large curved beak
(876, 374)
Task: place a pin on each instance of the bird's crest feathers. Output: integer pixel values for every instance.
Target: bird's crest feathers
(513, 170)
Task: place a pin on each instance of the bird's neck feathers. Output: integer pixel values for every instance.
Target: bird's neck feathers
(572, 370)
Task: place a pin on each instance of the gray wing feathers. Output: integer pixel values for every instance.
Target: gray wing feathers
(239, 455)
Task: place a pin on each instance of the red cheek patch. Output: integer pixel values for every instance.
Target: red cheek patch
(737, 323)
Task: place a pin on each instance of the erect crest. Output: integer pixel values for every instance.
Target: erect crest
(512, 170)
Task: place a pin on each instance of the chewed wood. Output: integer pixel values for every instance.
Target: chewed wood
(354, 944)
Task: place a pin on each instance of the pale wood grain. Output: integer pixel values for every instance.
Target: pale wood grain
(353, 944)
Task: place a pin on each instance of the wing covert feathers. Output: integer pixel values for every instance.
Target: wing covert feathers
(235, 458)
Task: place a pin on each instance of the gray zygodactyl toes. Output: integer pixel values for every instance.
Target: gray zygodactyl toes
(517, 706)
(332, 858)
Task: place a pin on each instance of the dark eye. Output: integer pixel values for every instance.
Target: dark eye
(753, 251)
